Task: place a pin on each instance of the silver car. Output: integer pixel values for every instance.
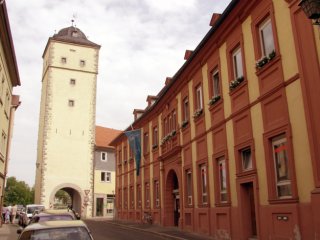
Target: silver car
(56, 230)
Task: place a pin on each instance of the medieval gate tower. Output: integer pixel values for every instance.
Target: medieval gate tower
(67, 120)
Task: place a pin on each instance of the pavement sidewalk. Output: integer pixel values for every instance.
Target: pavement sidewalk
(167, 232)
(9, 231)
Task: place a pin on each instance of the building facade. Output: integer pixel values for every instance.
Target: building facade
(66, 134)
(230, 147)
(104, 172)
(9, 78)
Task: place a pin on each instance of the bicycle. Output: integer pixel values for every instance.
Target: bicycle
(147, 218)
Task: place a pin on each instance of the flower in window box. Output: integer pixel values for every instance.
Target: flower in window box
(233, 84)
(173, 133)
(264, 60)
(272, 55)
(214, 99)
(184, 123)
(197, 113)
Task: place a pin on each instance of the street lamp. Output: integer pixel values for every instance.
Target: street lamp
(312, 9)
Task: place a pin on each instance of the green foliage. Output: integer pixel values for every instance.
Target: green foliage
(63, 196)
(18, 192)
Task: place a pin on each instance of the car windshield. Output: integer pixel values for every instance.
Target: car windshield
(55, 218)
(72, 233)
(36, 208)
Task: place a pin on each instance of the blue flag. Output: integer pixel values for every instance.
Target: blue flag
(134, 138)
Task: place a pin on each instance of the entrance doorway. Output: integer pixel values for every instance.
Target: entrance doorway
(248, 210)
(172, 201)
(99, 209)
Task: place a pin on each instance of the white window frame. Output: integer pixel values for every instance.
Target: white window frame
(157, 192)
(186, 109)
(243, 151)
(266, 24)
(107, 176)
(71, 103)
(278, 141)
(237, 63)
(104, 156)
(147, 194)
(215, 83)
(223, 188)
(189, 186)
(199, 103)
(204, 184)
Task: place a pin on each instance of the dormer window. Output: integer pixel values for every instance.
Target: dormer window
(75, 34)
(82, 63)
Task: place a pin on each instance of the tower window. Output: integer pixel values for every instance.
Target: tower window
(72, 81)
(71, 103)
(63, 60)
(82, 63)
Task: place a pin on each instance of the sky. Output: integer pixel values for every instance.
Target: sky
(142, 43)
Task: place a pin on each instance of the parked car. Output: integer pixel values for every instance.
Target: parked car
(26, 215)
(53, 216)
(56, 230)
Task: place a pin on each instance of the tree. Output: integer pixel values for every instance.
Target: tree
(18, 192)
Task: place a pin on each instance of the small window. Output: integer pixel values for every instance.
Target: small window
(186, 109)
(139, 196)
(246, 159)
(215, 83)
(146, 143)
(3, 143)
(147, 195)
(131, 197)
(104, 156)
(1, 88)
(281, 163)
(189, 186)
(75, 34)
(266, 38)
(105, 176)
(82, 63)
(63, 60)
(72, 81)
(199, 104)
(155, 138)
(237, 63)
(203, 172)
(71, 103)
(222, 179)
(157, 193)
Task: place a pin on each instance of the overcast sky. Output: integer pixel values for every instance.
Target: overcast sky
(142, 43)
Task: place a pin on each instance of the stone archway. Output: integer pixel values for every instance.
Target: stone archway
(172, 199)
(75, 193)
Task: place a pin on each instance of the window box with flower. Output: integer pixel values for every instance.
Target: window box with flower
(184, 123)
(197, 113)
(264, 60)
(168, 137)
(235, 83)
(214, 99)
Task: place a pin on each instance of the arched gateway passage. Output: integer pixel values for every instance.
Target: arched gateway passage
(75, 196)
(172, 200)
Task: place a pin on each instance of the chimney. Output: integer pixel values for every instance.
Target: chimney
(168, 80)
(187, 54)
(214, 18)
(137, 113)
(151, 99)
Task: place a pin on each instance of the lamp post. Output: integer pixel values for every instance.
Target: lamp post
(312, 9)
